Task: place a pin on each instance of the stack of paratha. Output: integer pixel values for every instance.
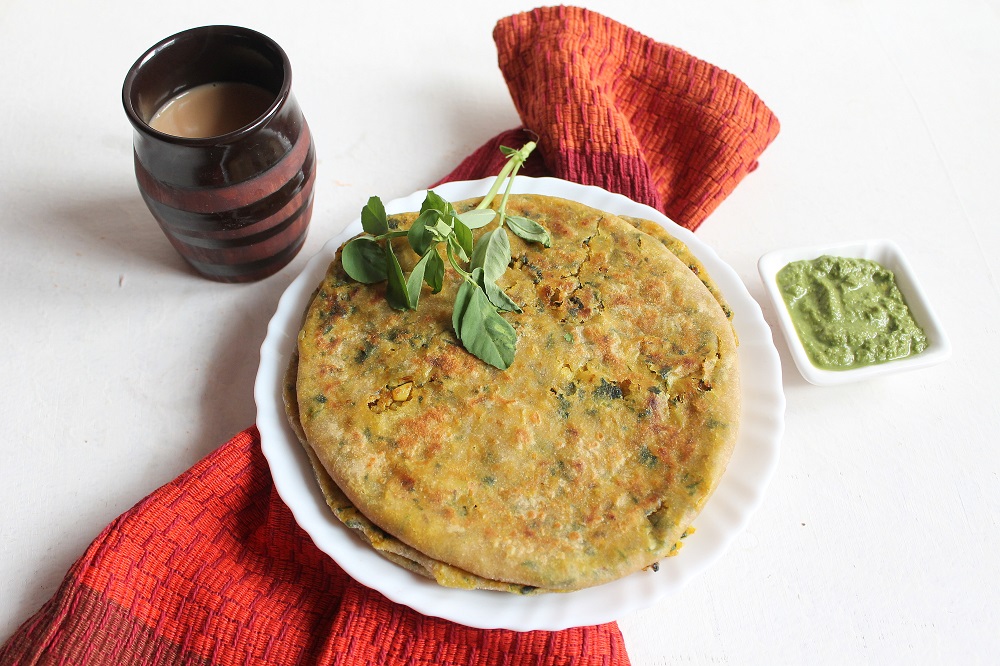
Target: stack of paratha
(583, 462)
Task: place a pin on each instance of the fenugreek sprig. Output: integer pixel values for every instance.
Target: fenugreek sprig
(476, 314)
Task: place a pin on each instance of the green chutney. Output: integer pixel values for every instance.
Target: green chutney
(849, 312)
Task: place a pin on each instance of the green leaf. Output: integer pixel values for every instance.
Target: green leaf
(373, 218)
(433, 201)
(499, 298)
(464, 236)
(441, 229)
(478, 256)
(418, 236)
(492, 254)
(434, 273)
(416, 279)
(507, 151)
(462, 300)
(364, 260)
(478, 218)
(529, 230)
(395, 293)
(457, 248)
(482, 331)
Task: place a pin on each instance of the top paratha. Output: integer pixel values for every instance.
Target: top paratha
(583, 462)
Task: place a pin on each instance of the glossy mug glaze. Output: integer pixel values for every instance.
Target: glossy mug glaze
(235, 206)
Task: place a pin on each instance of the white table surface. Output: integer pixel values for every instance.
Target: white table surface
(878, 540)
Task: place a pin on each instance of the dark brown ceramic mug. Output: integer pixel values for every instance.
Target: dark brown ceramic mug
(235, 205)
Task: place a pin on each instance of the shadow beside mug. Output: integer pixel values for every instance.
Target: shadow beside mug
(235, 205)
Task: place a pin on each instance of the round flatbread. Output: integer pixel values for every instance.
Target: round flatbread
(385, 544)
(584, 461)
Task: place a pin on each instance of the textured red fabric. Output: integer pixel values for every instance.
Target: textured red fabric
(212, 569)
(611, 107)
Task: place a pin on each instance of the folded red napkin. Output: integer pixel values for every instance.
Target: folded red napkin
(615, 109)
(211, 568)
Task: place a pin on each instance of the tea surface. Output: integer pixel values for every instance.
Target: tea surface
(211, 109)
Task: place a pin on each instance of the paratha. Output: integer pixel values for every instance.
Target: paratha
(583, 462)
(388, 546)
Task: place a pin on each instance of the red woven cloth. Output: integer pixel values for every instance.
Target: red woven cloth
(211, 568)
(613, 108)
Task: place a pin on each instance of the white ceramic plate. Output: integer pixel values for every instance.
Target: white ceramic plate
(724, 516)
(891, 257)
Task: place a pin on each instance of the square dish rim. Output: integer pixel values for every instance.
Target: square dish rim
(890, 255)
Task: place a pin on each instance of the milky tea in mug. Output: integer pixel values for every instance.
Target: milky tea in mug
(223, 156)
(211, 109)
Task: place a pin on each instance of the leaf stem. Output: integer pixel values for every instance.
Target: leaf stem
(506, 193)
(509, 169)
(454, 264)
(391, 234)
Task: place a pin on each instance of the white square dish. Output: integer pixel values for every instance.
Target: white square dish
(887, 254)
